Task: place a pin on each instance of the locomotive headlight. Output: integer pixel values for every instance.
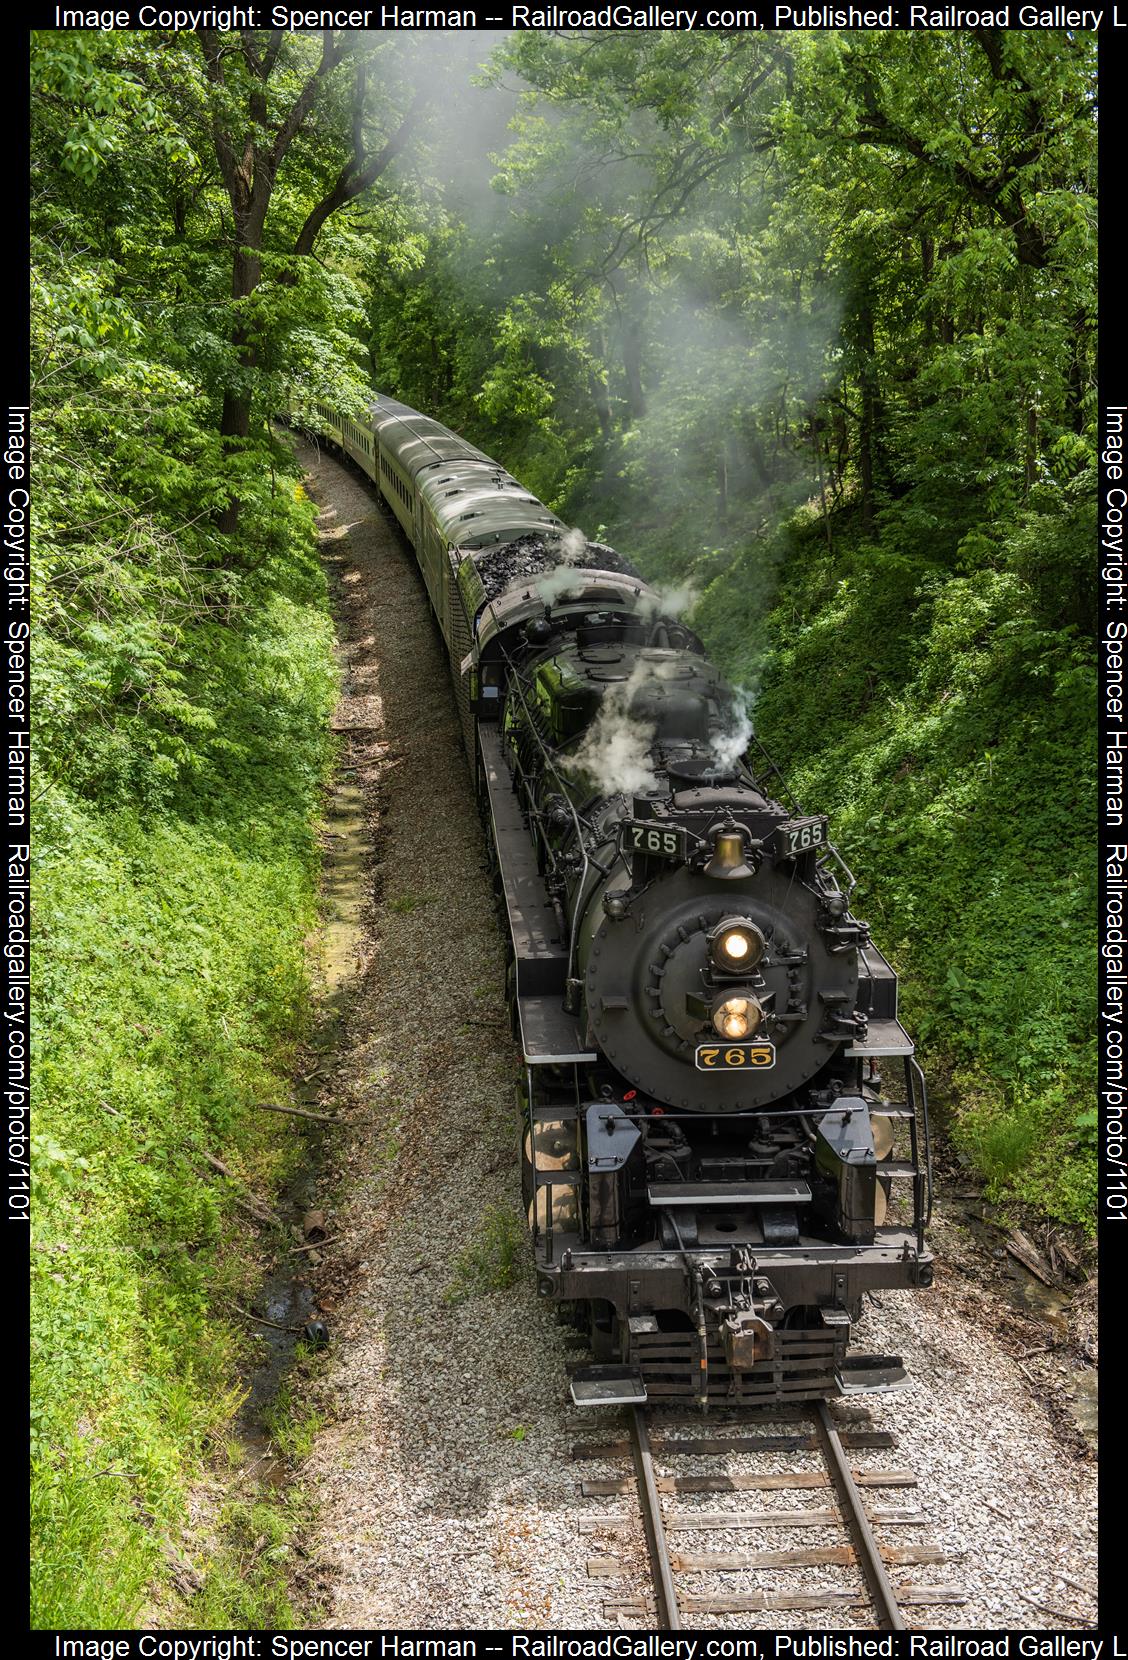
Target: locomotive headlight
(735, 945)
(737, 1017)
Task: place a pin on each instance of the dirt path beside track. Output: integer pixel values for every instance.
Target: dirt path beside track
(446, 1496)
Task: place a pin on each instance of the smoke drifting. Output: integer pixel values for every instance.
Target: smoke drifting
(573, 547)
(669, 602)
(556, 583)
(619, 752)
(571, 554)
(676, 360)
(730, 743)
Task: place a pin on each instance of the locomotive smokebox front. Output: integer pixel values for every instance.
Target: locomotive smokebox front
(720, 985)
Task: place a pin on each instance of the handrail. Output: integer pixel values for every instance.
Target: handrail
(912, 1062)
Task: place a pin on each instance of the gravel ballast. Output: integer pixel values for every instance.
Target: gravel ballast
(447, 1496)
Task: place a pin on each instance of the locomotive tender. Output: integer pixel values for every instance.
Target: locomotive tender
(713, 1175)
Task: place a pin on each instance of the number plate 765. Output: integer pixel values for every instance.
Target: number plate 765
(734, 1057)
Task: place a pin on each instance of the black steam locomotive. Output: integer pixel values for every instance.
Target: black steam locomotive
(713, 1174)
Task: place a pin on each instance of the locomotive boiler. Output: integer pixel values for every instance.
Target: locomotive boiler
(724, 1136)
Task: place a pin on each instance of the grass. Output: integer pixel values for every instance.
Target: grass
(491, 1262)
(291, 1426)
(246, 1583)
(171, 995)
(408, 902)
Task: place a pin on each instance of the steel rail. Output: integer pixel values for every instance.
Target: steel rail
(854, 1515)
(666, 1596)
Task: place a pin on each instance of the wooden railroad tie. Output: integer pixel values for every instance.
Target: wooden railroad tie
(736, 1521)
(825, 1556)
(762, 1602)
(733, 1443)
(740, 1483)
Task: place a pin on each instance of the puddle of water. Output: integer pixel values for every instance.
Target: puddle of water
(288, 1303)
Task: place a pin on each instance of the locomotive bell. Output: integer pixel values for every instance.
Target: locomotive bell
(727, 863)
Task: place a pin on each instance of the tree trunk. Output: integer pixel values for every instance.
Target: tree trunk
(235, 421)
(870, 419)
(601, 406)
(632, 369)
(1078, 377)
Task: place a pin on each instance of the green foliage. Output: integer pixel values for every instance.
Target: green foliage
(245, 1583)
(181, 691)
(171, 987)
(492, 1261)
(946, 727)
(292, 1427)
(805, 320)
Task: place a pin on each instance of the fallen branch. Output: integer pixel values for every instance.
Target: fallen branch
(266, 1217)
(258, 1320)
(317, 1245)
(1076, 1583)
(298, 1112)
(1019, 1247)
(251, 1204)
(1066, 1619)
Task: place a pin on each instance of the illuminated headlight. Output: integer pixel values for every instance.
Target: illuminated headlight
(737, 1017)
(735, 945)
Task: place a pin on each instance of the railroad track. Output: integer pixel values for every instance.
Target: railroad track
(827, 1496)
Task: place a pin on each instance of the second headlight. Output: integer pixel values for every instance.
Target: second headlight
(737, 1017)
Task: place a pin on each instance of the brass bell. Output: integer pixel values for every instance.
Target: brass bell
(727, 863)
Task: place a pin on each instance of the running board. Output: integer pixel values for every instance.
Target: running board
(871, 1374)
(608, 1386)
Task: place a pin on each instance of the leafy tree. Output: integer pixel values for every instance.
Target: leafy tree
(262, 97)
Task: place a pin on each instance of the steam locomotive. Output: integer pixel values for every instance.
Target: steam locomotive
(713, 1173)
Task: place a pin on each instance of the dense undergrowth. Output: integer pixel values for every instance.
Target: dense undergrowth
(946, 725)
(183, 746)
(182, 679)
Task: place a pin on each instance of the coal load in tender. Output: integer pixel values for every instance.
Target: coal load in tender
(532, 556)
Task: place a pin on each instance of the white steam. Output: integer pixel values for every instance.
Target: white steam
(728, 746)
(668, 602)
(555, 583)
(617, 750)
(571, 549)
